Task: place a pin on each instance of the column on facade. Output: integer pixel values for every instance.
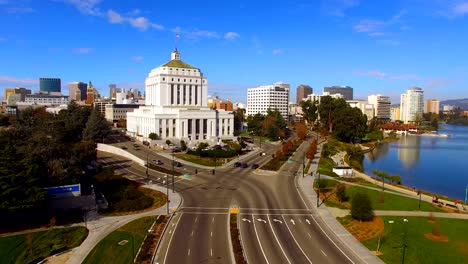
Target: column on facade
(201, 128)
(192, 93)
(199, 102)
(213, 127)
(171, 127)
(226, 124)
(185, 131)
(194, 129)
(174, 94)
(231, 125)
(164, 126)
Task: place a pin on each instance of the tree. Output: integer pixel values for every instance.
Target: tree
(309, 110)
(97, 127)
(183, 145)
(341, 193)
(153, 136)
(239, 119)
(301, 130)
(361, 207)
(4, 120)
(168, 142)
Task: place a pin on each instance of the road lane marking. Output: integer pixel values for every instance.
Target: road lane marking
(211, 234)
(308, 221)
(211, 251)
(277, 241)
(292, 221)
(258, 239)
(261, 220)
(309, 235)
(196, 219)
(188, 253)
(212, 220)
(276, 220)
(170, 240)
(294, 238)
(191, 234)
(324, 253)
(246, 220)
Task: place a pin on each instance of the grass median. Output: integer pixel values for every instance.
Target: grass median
(33, 247)
(121, 246)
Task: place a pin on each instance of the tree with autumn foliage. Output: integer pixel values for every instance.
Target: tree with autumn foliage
(301, 130)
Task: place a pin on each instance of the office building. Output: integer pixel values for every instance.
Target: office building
(176, 106)
(262, 98)
(412, 105)
(382, 105)
(77, 91)
(346, 91)
(302, 92)
(115, 112)
(22, 92)
(432, 106)
(395, 113)
(112, 90)
(48, 85)
(366, 108)
(49, 99)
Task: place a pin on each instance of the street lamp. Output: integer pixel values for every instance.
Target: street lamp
(173, 171)
(404, 245)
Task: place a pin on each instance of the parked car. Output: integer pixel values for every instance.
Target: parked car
(158, 162)
(245, 165)
(176, 149)
(255, 166)
(237, 164)
(177, 164)
(123, 147)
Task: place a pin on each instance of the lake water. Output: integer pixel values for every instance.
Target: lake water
(433, 164)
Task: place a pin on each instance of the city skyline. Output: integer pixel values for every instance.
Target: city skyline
(376, 48)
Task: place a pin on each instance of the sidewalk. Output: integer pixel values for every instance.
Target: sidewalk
(337, 212)
(99, 227)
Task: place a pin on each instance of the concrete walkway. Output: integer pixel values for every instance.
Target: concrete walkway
(100, 226)
(337, 212)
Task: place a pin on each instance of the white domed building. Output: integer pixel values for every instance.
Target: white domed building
(176, 106)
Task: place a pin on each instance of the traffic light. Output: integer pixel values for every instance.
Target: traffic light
(196, 171)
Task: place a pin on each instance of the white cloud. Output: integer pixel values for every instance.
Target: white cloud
(114, 17)
(384, 75)
(369, 26)
(231, 35)
(137, 58)
(461, 9)
(19, 10)
(89, 7)
(82, 50)
(338, 7)
(19, 82)
(278, 51)
(373, 73)
(377, 28)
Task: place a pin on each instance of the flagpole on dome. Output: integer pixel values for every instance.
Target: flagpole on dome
(177, 37)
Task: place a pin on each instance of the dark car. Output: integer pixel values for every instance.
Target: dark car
(158, 162)
(237, 164)
(254, 166)
(176, 150)
(177, 164)
(123, 147)
(245, 165)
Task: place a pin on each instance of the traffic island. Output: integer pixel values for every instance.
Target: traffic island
(148, 249)
(235, 238)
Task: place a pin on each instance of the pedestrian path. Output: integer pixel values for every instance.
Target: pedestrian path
(100, 226)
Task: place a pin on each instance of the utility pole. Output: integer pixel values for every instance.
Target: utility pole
(167, 192)
(318, 191)
(173, 172)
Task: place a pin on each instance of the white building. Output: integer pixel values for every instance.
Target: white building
(364, 106)
(382, 105)
(314, 97)
(262, 98)
(412, 104)
(176, 106)
(115, 112)
(48, 99)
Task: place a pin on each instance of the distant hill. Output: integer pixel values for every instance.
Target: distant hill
(462, 103)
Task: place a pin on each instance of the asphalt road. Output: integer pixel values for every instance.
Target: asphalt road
(276, 224)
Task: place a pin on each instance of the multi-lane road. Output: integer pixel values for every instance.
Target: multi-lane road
(277, 225)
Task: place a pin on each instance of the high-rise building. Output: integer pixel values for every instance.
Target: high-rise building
(262, 98)
(432, 106)
(112, 90)
(346, 91)
(22, 92)
(77, 91)
(48, 85)
(382, 106)
(395, 113)
(364, 106)
(302, 92)
(411, 104)
(176, 106)
(90, 94)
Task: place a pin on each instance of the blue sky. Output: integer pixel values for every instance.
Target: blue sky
(373, 46)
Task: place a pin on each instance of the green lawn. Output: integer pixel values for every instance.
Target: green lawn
(32, 247)
(202, 161)
(420, 249)
(393, 201)
(109, 251)
(325, 166)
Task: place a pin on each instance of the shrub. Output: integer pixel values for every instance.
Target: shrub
(361, 207)
(341, 193)
(183, 145)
